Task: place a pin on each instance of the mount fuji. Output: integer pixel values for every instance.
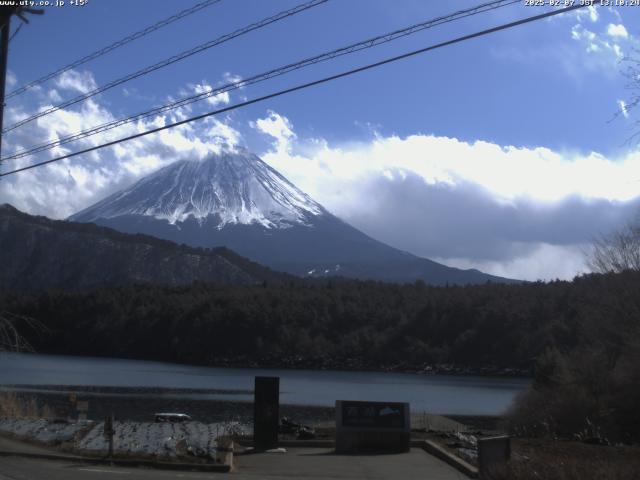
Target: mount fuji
(234, 199)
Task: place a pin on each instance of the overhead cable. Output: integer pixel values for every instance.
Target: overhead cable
(98, 53)
(304, 86)
(175, 58)
(355, 47)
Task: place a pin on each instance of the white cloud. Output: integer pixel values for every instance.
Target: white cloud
(79, 81)
(590, 13)
(600, 42)
(508, 172)
(65, 187)
(11, 79)
(465, 203)
(54, 96)
(214, 100)
(224, 133)
(229, 77)
(279, 128)
(578, 32)
(544, 262)
(602, 54)
(618, 51)
(593, 47)
(617, 30)
(623, 108)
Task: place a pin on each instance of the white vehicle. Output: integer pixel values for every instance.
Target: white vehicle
(172, 417)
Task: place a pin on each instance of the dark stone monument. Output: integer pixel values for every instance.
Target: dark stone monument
(382, 427)
(266, 412)
(493, 452)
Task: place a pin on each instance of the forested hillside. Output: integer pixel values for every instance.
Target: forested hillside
(37, 253)
(340, 324)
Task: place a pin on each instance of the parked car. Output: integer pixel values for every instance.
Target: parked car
(172, 417)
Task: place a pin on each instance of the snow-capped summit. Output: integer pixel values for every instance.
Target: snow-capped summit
(237, 201)
(232, 187)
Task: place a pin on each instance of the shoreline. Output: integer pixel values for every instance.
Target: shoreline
(141, 404)
(136, 404)
(121, 390)
(488, 371)
(323, 364)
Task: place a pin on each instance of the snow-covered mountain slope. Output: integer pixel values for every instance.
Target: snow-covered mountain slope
(238, 188)
(238, 201)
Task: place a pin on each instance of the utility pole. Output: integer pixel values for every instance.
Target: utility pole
(4, 52)
(5, 25)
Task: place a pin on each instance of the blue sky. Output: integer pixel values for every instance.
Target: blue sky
(507, 153)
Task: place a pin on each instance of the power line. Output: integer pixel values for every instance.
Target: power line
(369, 43)
(176, 58)
(305, 85)
(98, 53)
(11, 39)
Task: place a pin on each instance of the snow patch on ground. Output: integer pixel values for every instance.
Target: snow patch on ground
(163, 440)
(40, 429)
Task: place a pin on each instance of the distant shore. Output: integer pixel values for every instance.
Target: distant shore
(357, 365)
(326, 363)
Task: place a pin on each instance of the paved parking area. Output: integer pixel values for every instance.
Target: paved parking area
(299, 463)
(322, 463)
(296, 463)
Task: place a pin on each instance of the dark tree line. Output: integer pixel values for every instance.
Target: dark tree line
(372, 323)
(588, 386)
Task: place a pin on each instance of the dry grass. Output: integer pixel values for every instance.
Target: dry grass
(13, 405)
(557, 460)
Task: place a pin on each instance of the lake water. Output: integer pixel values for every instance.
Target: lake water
(443, 394)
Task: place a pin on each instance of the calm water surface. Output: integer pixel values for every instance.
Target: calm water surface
(446, 394)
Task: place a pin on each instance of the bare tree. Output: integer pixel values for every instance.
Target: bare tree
(618, 251)
(631, 72)
(11, 332)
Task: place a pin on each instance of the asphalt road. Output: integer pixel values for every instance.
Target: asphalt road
(318, 464)
(15, 468)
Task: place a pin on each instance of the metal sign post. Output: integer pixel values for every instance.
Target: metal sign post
(109, 431)
(82, 407)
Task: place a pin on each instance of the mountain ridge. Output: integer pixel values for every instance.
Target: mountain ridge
(235, 199)
(38, 253)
